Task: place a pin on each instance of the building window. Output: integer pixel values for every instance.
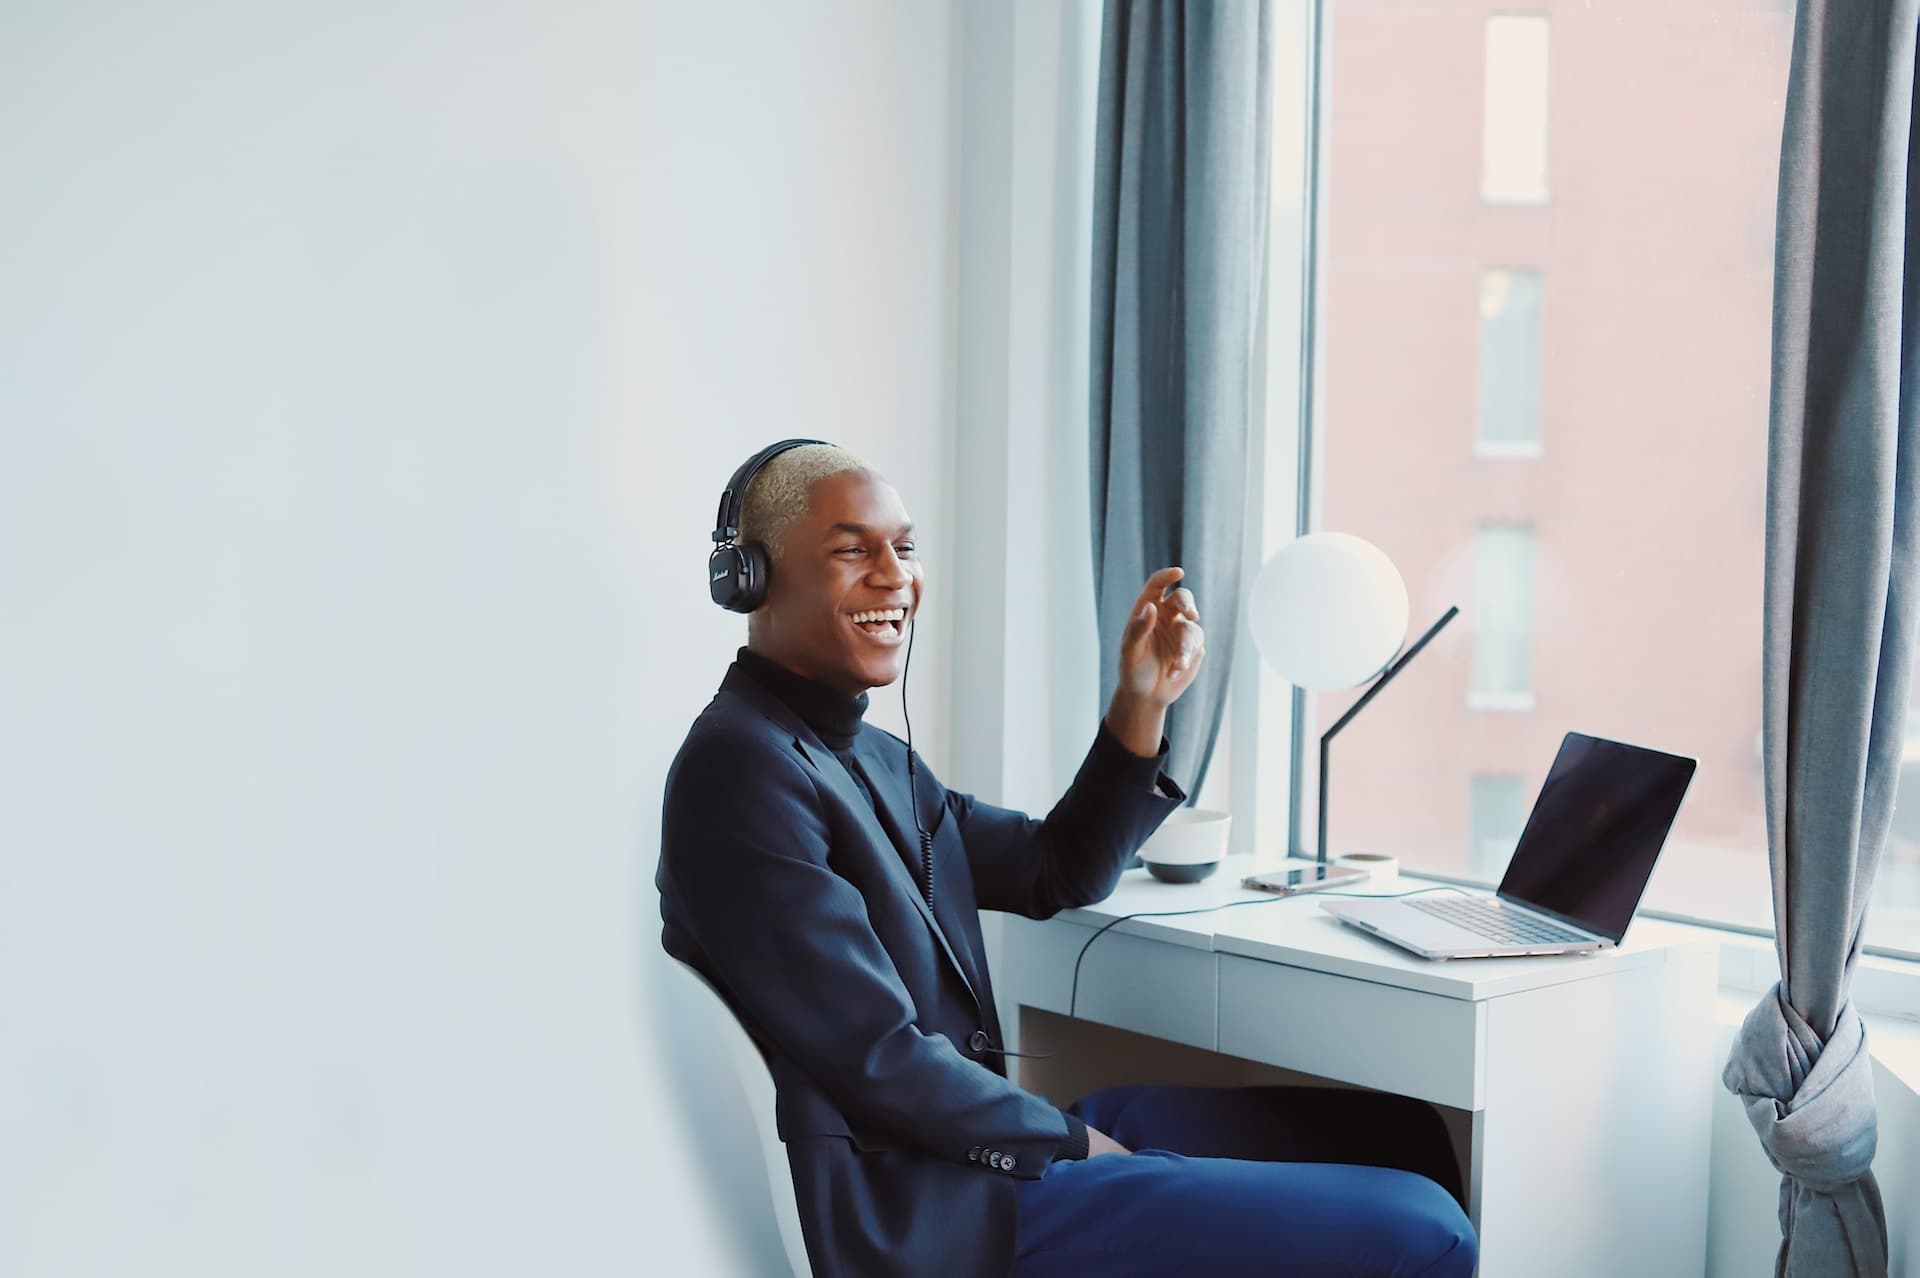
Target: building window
(1502, 676)
(1496, 813)
(1514, 127)
(1509, 364)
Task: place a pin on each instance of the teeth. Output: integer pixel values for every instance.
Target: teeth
(880, 614)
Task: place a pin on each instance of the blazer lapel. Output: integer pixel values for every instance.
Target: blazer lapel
(896, 813)
(845, 786)
(888, 792)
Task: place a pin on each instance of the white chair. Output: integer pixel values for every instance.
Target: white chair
(757, 1085)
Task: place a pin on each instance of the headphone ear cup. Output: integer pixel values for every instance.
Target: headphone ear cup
(755, 571)
(724, 573)
(737, 577)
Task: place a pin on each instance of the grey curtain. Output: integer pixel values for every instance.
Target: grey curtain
(1839, 608)
(1179, 246)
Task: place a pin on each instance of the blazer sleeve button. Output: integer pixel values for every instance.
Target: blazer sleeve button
(973, 1155)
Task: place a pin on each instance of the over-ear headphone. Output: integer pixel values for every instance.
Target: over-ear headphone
(737, 574)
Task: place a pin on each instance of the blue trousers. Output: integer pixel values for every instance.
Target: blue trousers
(1255, 1180)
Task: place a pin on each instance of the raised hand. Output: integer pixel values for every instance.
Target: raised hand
(1160, 653)
(1163, 646)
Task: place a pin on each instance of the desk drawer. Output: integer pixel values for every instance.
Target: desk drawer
(1380, 1036)
(1149, 987)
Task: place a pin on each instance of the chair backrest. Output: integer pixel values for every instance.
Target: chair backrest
(757, 1085)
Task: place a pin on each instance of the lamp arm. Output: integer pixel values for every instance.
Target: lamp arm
(1354, 709)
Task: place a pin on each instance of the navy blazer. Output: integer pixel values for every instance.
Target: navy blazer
(795, 897)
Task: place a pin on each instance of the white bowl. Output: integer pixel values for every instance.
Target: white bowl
(1188, 845)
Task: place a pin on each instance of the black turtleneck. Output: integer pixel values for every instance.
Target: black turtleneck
(834, 716)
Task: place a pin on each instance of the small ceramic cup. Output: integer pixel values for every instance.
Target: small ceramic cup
(1383, 871)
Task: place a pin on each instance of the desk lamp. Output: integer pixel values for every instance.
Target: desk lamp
(1329, 611)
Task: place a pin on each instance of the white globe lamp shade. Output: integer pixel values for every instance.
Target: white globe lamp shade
(1328, 611)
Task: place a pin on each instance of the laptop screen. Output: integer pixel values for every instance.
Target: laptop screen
(1595, 831)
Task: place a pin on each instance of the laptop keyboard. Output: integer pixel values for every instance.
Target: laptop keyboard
(1486, 916)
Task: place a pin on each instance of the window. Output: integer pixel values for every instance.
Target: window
(1497, 809)
(1513, 133)
(1509, 364)
(1614, 583)
(1502, 618)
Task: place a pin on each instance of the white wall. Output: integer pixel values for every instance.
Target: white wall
(1024, 543)
(367, 378)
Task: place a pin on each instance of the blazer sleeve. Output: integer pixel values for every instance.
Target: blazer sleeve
(1075, 856)
(745, 868)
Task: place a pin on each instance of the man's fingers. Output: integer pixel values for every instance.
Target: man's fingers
(1157, 586)
(1165, 626)
(1139, 627)
(1191, 643)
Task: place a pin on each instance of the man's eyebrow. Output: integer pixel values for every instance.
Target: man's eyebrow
(861, 530)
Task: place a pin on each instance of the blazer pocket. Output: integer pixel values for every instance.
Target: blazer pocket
(807, 1115)
(865, 1143)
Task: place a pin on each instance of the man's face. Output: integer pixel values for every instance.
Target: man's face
(845, 586)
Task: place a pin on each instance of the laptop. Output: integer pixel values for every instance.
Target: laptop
(1578, 874)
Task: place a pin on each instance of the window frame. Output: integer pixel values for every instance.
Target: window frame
(1887, 977)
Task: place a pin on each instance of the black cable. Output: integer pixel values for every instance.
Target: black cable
(980, 1042)
(913, 789)
(1073, 993)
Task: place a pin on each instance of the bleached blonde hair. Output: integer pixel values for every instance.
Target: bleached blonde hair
(776, 497)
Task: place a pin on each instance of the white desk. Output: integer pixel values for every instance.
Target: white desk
(1588, 1078)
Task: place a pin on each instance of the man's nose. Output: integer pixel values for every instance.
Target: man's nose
(889, 570)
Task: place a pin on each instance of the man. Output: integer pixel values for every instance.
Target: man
(828, 886)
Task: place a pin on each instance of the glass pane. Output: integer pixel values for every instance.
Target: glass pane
(1514, 119)
(1611, 583)
(1510, 362)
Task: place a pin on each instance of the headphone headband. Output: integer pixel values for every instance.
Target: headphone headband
(726, 523)
(737, 575)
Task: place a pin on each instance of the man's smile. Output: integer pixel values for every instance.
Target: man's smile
(883, 626)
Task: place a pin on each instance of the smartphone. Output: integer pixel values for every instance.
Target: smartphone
(1302, 878)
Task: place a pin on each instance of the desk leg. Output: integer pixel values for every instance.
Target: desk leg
(1591, 1155)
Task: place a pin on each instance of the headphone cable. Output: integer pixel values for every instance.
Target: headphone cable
(913, 788)
(980, 1042)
